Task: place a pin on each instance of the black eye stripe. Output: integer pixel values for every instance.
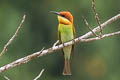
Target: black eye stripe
(63, 15)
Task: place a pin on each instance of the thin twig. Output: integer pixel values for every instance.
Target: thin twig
(53, 49)
(13, 37)
(97, 29)
(55, 43)
(6, 78)
(85, 21)
(97, 17)
(36, 78)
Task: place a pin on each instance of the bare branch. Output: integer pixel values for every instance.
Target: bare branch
(6, 78)
(13, 37)
(98, 38)
(36, 78)
(85, 21)
(96, 17)
(55, 48)
(97, 29)
(21, 60)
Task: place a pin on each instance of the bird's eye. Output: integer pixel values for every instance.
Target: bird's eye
(63, 15)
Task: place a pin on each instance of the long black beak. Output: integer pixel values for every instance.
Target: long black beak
(54, 12)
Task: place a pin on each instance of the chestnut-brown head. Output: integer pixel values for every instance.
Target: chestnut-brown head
(64, 17)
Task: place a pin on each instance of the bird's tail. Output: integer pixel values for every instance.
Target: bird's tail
(67, 70)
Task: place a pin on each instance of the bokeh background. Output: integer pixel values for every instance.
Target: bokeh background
(97, 60)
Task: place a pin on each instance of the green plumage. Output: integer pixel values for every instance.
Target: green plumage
(66, 33)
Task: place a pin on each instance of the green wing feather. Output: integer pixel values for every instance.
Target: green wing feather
(72, 51)
(74, 32)
(59, 38)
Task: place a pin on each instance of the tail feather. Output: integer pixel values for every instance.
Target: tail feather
(67, 70)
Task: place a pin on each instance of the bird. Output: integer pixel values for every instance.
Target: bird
(66, 32)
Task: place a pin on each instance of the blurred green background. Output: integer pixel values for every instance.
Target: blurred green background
(97, 60)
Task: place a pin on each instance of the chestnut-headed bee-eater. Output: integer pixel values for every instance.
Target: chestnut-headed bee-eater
(66, 32)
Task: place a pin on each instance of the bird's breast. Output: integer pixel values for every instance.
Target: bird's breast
(66, 32)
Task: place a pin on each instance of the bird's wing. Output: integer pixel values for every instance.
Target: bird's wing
(74, 32)
(59, 38)
(72, 51)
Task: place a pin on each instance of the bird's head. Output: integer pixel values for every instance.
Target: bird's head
(64, 17)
